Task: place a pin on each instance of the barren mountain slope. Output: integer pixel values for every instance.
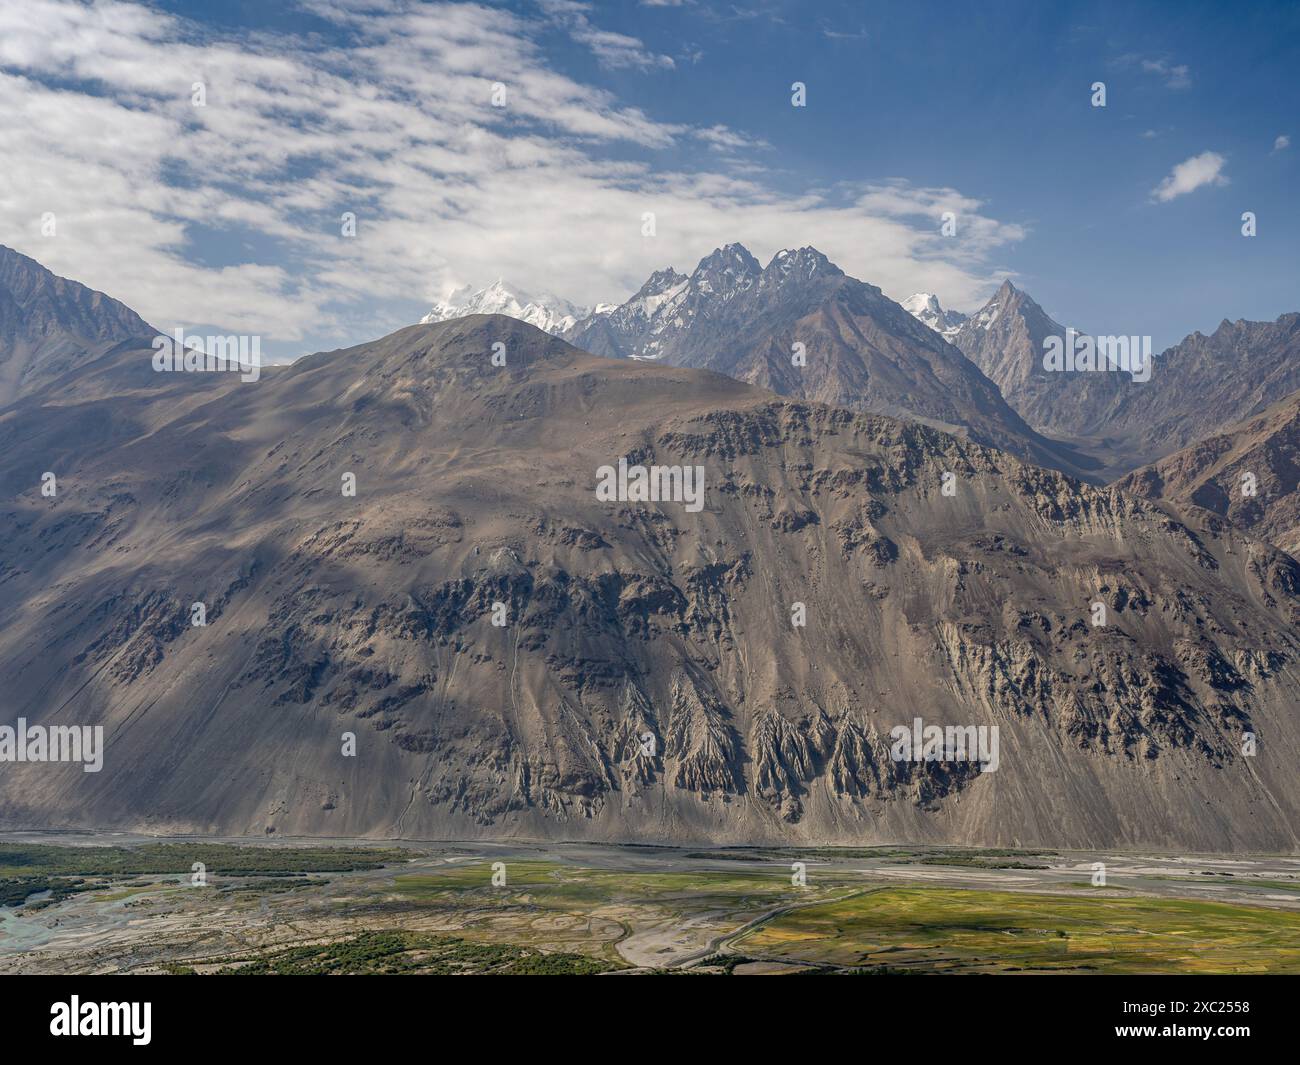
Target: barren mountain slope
(49, 325)
(1249, 474)
(475, 486)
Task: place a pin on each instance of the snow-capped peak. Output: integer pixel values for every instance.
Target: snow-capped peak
(925, 308)
(670, 304)
(549, 313)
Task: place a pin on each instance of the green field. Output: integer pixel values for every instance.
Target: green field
(938, 930)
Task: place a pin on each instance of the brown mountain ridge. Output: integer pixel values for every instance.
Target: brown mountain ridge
(374, 615)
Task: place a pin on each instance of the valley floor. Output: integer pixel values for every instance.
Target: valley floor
(129, 905)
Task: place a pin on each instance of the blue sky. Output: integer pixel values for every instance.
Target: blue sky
(228, 215)
(994, 100)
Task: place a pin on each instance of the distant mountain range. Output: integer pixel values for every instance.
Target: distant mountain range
(1205, 384)
(735, 316)
(551, 314)
(803, 328)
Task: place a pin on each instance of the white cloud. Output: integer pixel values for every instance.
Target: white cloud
(1190, 175)
(612, 50)
(229, 214)
(1177, 76)
(722, 139)
(1282, 142)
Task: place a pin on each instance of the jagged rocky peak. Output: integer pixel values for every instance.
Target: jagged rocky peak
(730, 256)
(670, 299)
(1014, 308)
(1006, 299)
(733, 268)
(1006, 339)
(800, 264)
(661, 281)
(726, 271)
(926, 309)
